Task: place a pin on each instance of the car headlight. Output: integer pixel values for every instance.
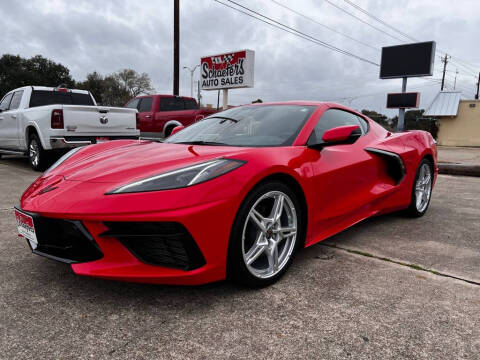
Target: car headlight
(61, 160)
(183, 177)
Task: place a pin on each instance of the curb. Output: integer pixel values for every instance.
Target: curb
(459, 169)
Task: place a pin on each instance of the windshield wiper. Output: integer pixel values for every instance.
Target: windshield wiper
(201, 142)
(225, 118)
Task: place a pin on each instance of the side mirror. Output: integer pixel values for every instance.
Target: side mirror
(177, 129)
(340, 135)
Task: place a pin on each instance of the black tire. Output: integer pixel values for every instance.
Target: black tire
(37, 156)
(237, 270)
(413, 209)
(169, 130)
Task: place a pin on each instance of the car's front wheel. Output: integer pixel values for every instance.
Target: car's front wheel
(265, 235)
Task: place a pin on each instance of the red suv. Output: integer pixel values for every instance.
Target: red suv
(158, 115)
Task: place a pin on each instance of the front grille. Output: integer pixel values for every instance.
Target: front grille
(166, 244)
(64, 240)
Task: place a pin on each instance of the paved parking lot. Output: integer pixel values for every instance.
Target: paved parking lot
(388, 288)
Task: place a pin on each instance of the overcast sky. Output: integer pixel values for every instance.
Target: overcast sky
(106, 36)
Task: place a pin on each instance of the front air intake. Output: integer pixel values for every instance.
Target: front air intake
(166, 244)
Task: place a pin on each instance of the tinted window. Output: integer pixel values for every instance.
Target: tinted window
(171, 104)
(17, 97)
(363, 124)
(267, 125)
(133, 104)
(52, 97)
(5, 102)
(145, 104)
(81, 99)
(331, 119)
(190, 104)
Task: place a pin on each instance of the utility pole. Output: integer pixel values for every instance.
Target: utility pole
(176, 45)
(192, 71)
(445, 61)
(455, 82)
(478, 85)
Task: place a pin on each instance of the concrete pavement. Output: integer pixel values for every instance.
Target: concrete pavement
(332, 303)
(459, 160)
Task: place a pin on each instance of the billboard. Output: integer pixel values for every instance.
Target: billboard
(403, 100)
(407, 60)
(227, 71)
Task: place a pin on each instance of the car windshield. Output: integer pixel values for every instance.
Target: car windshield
(266, 125)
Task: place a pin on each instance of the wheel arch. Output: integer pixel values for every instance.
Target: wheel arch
(171, 123)
(32, 129)
(293, 184)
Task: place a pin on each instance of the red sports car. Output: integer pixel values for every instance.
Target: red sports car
(232, 196)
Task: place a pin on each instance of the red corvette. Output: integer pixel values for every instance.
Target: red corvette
(232, 196)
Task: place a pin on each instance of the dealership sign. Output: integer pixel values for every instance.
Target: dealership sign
(227, 71)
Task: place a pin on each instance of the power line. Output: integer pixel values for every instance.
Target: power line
(325, 26)
(293, 31)
(363, 21)
(463, 63)
(379, 20)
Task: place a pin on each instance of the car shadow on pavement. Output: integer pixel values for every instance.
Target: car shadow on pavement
(17, 161)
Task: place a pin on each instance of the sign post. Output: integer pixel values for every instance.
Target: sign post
(401, 111)
(404, 61)
(225, 99)
(227, 71)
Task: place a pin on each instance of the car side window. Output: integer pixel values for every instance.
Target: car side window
(333, 118)
(190, 104)
(171, 104)
(17, 97)
(363, 124)
(145, 104)
(4, 105)
(133, 104)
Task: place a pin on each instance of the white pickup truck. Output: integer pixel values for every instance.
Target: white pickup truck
(39, 121)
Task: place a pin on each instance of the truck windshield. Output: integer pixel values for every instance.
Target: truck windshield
(266, 125)
(51, 97)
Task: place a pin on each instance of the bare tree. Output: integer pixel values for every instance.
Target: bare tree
(133, 82)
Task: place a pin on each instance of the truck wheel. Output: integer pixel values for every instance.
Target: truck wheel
(37, 156)
(169, 130)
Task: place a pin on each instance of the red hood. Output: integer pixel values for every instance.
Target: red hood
(136, 160)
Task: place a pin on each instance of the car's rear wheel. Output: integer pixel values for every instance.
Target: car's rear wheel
(37, 156)
(422, 189)
(265, 235)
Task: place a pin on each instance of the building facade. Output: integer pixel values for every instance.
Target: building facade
(458, 120)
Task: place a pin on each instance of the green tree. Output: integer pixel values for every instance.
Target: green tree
(16, 71)
(381, 119)
(414, 120)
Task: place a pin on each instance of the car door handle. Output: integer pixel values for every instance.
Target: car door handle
(1, 118)
(14, 116)
(147, 117)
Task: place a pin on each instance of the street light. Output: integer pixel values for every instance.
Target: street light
(191, 77)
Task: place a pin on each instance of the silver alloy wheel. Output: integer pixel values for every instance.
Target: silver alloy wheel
(423, 187)
(268, 241)
(34, 152)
